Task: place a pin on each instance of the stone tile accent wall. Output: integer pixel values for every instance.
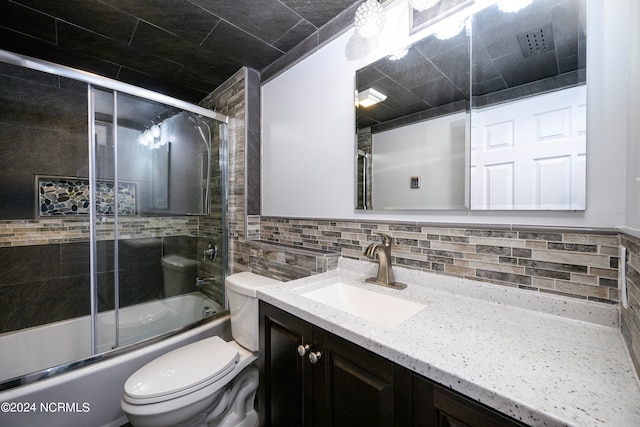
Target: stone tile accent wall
(65, 230)
(630, 324)
(239, 99)
(229, 99)
(565, 262)
(284, 262)
(70, 196)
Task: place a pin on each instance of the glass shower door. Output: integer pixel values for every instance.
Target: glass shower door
(158, 219)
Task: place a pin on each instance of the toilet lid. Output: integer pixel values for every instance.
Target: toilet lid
(201, 362)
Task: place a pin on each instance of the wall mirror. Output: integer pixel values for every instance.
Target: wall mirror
(488, 114)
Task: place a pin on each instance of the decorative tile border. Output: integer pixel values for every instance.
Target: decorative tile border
(56, 230)
(70, 196)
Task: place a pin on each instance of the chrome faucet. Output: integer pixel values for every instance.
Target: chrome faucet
(385, 273)
(211, 252)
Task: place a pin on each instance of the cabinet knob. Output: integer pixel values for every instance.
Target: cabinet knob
(302, 349)
(314, 356)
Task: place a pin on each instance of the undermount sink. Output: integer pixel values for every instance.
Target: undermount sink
(385, 310)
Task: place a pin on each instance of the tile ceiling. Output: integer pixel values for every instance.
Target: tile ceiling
(183, 48)
(433, 78)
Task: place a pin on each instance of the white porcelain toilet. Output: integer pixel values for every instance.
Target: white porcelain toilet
(207, 383)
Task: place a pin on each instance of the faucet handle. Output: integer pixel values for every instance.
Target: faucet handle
(385, 239)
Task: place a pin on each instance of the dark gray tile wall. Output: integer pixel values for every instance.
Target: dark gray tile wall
(43, 130)
(40, 284)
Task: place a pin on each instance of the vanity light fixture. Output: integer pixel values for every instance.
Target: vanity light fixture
(369, 97)
(369, 19)
(421, 5)
(513, 6)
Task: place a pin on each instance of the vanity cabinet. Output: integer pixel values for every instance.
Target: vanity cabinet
(311, 377)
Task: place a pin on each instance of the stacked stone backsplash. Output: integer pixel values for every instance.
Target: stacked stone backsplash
(630, 324)
(565, 262)
(282, 261)
(64, 230)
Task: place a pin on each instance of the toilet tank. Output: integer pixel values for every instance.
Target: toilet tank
(179, 275)
(243, 305)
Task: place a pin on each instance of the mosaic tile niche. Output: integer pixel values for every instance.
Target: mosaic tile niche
(70, 196)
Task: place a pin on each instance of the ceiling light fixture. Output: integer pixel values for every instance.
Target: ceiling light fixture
(370, 97)
(421, 5)
(369, 19)
(513, 6)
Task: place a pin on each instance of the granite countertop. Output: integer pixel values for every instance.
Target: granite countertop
(539, 358)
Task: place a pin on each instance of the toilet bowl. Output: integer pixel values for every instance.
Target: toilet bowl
(207, 383)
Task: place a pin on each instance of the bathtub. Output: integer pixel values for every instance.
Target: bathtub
(88, 392)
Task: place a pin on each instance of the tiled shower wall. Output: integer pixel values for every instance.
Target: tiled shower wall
(45, 274)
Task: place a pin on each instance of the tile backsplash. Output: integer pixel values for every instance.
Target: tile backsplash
(575, 263)
(630, 324)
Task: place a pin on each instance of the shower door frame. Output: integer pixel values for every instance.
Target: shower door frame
(94, 80)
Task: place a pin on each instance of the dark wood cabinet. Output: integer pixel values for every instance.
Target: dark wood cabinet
(343, 384)
(286, 379)
(355, 387)
(437, 406)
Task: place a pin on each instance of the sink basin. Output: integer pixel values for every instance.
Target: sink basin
(385, 310)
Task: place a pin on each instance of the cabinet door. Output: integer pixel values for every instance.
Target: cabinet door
(436, 406)
(355, 387)
(286, 379)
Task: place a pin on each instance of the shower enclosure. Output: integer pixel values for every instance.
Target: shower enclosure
(105, 188)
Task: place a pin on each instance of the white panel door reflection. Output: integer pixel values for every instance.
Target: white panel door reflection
(530, 154)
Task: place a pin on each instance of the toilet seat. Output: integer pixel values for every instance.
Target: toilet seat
(182, 371)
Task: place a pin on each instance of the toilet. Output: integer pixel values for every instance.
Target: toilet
(178, 275)
(210, 382)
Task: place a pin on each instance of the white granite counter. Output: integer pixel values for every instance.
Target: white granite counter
(542, 359)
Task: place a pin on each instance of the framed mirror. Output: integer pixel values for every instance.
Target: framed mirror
(488, 114)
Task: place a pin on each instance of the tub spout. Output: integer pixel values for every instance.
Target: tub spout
(385, 272)
(204, 281)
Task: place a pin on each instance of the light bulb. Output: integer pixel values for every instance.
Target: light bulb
(421, 5)
(513, 6)
(450, 31)
(369, 19)
(148, 137)
(155, 131)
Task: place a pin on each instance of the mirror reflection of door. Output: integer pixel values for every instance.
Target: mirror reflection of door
(517, 77)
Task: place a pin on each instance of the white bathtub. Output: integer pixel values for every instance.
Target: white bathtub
(90, 395)
(41, 347)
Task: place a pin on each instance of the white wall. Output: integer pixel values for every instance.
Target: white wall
(433, 150)
(308, 130)
(633, 188)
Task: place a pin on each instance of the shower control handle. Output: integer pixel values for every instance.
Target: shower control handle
(211, 252)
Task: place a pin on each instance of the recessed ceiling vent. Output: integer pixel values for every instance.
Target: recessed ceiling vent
(536, 41)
